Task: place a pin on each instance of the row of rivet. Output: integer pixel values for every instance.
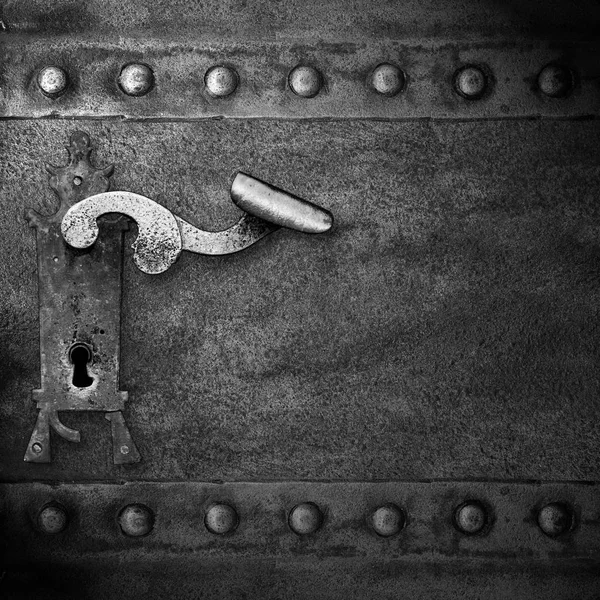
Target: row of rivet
(470, 518)
(471, 81)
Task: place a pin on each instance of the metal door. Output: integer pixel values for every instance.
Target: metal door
(405, 405)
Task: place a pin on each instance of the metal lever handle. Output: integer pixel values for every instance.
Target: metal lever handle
(162, 236)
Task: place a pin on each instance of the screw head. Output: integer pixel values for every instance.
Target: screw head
(555, 81)
(136, 520)
(387, 520)
(136, 79)
(221, 519)
(555, 519)
(470, 82)
(37, 447)
(470, 517)
(305, 81)
(221, 81)
(305, 518)
(52, 81)
(387, 79)
(52, 519)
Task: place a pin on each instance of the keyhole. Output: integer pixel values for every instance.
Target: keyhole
(80, 356)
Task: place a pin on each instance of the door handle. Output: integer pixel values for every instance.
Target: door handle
(162, 235)
(80, 292)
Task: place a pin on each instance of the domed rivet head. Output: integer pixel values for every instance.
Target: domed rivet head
(470, 517)
(387, 79)
(555, 519)
(136, 520)
(470, 82)
(220, 81)
(305, 518)
(52, 81)
(305, 81)
(221, 519)
(387, 520)
(555, 81)
(52, 519)
(136, 79)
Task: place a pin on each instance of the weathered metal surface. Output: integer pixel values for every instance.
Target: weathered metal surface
(306, 576)
(447, 327)
(79, 302)
(162, 236)
(178, 88)
(294, 519)
(337, 19)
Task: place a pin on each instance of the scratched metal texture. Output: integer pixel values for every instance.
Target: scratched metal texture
(300, 19)
(447, 327)
(441, 341)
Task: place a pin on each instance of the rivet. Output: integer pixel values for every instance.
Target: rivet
(555, 519)
(37, 447)
(52, 518)
(555, 81)
(387, 79)
(136, 79)
(221, 519)
(52, 81)
(470, 517)
(387, 520)
(136, 520)
(220, 81)
(305, 518)
(470, 82)
(305, 81)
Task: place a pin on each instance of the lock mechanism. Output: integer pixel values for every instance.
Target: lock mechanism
(80, 269)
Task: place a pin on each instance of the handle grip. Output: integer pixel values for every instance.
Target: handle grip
(278, 207)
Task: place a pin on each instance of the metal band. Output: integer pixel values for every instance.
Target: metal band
(174, 81)
(181, 518)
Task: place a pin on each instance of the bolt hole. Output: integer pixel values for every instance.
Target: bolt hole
(102, 331)
(77, 180)
(80, 356)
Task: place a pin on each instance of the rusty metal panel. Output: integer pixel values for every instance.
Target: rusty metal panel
(406, 405)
